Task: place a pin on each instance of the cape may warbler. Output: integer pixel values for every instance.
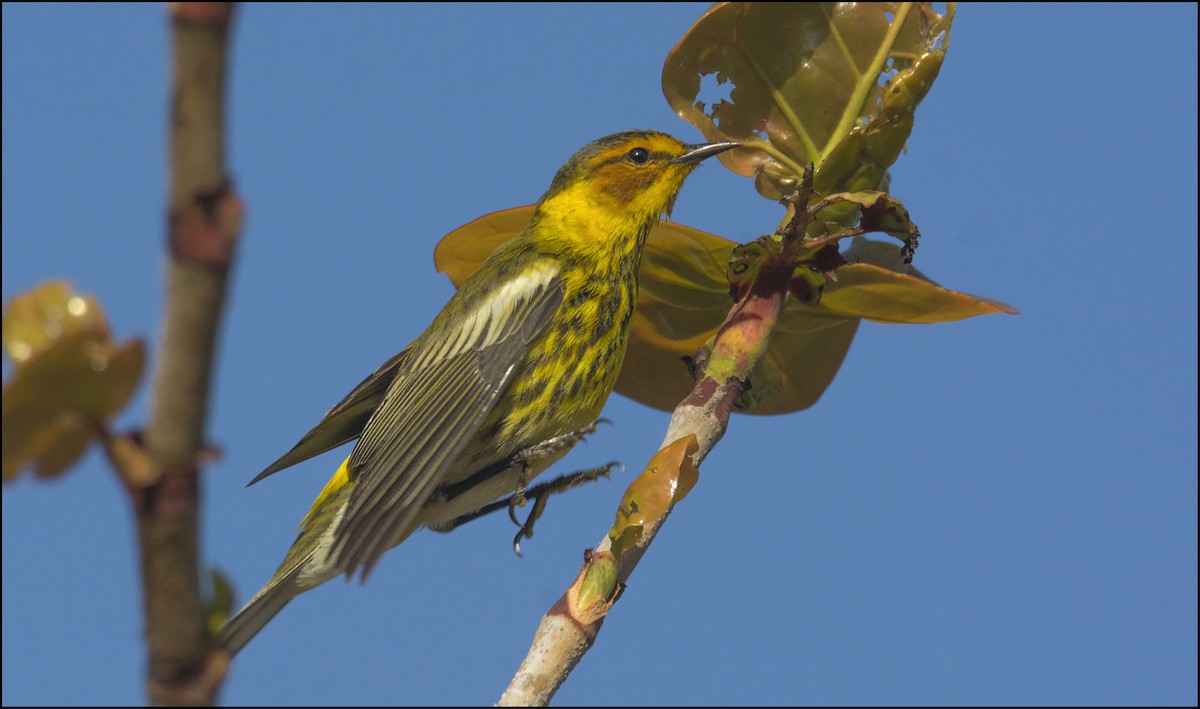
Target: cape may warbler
(508, 376)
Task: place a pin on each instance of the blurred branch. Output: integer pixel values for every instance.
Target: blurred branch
(204, 222)
(569, 628)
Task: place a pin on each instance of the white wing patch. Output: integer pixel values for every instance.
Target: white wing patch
(482, 327)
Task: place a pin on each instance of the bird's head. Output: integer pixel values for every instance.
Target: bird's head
(632, 177)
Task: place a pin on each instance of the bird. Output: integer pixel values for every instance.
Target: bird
(510, 374)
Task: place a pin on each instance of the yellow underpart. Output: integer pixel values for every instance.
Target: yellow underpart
(340, 479)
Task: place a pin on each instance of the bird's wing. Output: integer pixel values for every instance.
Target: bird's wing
(432, 411)
(345, 421)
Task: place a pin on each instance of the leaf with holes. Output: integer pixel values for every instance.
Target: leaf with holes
(668, 478)
(835, 84)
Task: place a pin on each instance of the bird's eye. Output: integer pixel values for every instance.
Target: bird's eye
(639, 156)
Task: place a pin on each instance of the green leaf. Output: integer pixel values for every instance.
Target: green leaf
(70, 377)
(683, 298)
(218, 608)
(33, 320)
(599, 583)
(834, 84)
(879, 211)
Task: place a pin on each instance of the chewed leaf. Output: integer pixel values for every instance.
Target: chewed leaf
(667, 479)
(874, 212)
(835, 84)
(879, 212)
(744, 264)
(683, 297)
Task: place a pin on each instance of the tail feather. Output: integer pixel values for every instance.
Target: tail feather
(304, 567)
(243, 626)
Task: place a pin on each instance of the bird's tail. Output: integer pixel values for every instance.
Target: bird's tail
(243, 626)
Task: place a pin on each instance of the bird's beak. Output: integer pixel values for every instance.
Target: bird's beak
(696, 153)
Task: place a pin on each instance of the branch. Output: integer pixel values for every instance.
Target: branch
(570, 627)
(204, 221)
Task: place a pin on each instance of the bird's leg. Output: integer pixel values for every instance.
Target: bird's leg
(539, 494)
(542, 493)
(535, 452)
(517, 499)
(550, 446)
(525, 459)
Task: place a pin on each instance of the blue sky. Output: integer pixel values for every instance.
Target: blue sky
(995, 511)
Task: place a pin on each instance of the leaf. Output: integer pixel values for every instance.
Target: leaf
(594, 591)
(835, 84)
(683, 298)
(219, 606)
(69, 377)
(460, 253)
(879, 211)
(879, 286)
(34, 319)
(745, 262)
(668, 478)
